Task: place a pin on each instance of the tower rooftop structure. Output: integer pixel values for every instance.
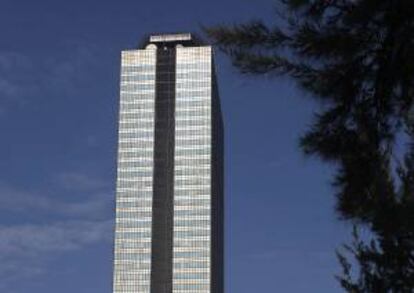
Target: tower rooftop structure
(171, 40)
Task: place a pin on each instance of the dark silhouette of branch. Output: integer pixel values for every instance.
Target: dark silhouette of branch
(357, 57)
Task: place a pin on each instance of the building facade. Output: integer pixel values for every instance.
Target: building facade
(169, 198)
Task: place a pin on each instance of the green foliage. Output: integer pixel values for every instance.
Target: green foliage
(357, 58)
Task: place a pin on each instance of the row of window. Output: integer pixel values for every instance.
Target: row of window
(126, 68)
(193, 74)
(191, 265)
(137, 76)
(195, 160)
(191, 255)
(194, 276)
(191, 223)
(192, 84)
(127, 185)
(149, 80)
(180, 170)
(182, 104)
(190, 92)
(133, 174)
(199, 66)
(132, 57)
(139, 163)
(135, 113)
(135, 153)
(184, 113)
(131, 98)
(189, 239)
(146, 143)
(124, 245)
(176, 254)
(192, 181)
(138, 87)
(147, 128)
(122, 205)
(138, 197)
(191, 171)
(192, 114)
(145, 210)
(192, 233)
(138, 108)
(126, 252)
(182, 122)
(140, 181)
(133, 117)
(140, 133)
(144, 203)
(133, 235)
(137, 257)
(131, 286)
(128, 276)
(128, 216)
(131, 126)
(133, 105)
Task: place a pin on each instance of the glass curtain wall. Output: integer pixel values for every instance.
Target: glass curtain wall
(192, 181)
(132, 261)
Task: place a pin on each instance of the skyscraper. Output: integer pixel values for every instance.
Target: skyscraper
(169, 201)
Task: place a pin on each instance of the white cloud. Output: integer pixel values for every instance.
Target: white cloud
(10, 60)
(33, 240)
(7, 88)
(93, 205)
(17, 271)
(80, 181)
(12, 199)
(23, 78)
(16, 73)
(25, 249)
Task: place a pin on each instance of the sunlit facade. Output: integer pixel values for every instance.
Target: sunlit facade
(169, 206)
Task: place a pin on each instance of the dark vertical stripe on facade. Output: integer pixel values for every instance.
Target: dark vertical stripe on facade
(163, 180)
(217, 188)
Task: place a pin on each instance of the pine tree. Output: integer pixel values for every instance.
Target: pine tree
(357, 58)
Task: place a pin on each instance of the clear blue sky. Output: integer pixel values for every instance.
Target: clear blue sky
(59, 74)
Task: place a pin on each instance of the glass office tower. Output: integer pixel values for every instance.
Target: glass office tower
(169, 202)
